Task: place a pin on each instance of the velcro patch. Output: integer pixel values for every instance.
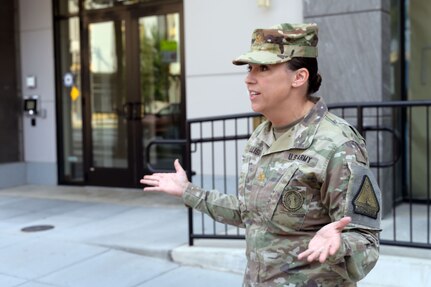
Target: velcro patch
(365, 202)
(292, 200)
(363, 198)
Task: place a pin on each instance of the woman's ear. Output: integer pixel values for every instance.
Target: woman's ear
(301, 77)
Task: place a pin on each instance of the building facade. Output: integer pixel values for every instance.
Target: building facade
(108, 77)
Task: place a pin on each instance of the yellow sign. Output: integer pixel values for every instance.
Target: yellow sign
(74, 93)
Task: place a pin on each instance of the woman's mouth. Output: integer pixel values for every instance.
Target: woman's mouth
(253, 94)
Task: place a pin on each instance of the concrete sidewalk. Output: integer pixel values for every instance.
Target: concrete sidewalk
(124, 237)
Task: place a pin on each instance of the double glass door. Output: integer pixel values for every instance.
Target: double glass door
(134, 94)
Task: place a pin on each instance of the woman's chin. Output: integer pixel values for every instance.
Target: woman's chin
(255, 108)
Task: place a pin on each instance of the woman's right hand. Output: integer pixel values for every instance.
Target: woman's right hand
(170, 183)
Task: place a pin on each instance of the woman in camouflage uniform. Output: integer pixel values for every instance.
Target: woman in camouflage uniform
(307, 198)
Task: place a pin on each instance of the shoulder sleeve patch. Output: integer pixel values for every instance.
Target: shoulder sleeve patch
(363, 201)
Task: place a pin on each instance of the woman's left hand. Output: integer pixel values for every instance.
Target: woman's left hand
(326, 242)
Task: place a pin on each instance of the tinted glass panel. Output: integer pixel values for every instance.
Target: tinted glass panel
(68, 6)
(160, 85)
(108, 95)
(418, 68)
(71, 97)
(100, 4)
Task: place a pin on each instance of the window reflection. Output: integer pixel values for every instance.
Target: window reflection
(160, 85)
(71, 99)
(100, 4)
(69, 6)
(107, 84)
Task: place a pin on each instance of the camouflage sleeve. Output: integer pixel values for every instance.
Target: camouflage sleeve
(221, 207)
(351, 190)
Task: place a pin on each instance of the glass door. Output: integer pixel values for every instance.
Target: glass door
(160, 89)
(108, 134)
(134, 94)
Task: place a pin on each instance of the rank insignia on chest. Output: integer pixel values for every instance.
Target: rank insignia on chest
(365, 202)
(261, 177)
(292, 200)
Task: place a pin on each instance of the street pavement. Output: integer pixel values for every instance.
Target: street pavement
(101, 237)
(124, 237)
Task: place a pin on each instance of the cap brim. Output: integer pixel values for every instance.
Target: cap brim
(260, 58)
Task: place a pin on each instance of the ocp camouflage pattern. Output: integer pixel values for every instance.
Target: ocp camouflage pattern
(281, 43)
(288, 190)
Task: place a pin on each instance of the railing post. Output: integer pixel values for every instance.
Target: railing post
(360, 123)
(188, 165)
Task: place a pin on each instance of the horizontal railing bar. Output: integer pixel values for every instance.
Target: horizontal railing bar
(207, 236)
(404, 244)
(217, 139)
(225, 117)
(351, 105)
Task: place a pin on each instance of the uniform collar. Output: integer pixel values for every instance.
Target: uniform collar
(301, 135)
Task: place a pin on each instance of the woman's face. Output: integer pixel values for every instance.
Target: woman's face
(268, 86)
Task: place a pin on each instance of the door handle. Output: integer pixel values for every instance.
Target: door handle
(133, 110)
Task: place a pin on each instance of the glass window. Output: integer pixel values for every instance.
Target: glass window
(68, 6)
(100, 4)
(395, 52)
(71, 108)
(418, 84)
(108, 94)
(160, 85)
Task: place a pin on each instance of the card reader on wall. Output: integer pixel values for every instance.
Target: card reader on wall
(31, 105)
(32, 108)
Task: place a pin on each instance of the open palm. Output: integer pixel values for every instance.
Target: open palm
(171, 183)
(326, 242)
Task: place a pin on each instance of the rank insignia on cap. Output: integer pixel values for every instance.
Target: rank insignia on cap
(292, 200)
(365, 202)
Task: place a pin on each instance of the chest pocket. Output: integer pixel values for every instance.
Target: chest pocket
(289, 203)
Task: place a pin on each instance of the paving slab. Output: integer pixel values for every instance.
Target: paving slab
(110, 269)
(195, 277)
(38, 257)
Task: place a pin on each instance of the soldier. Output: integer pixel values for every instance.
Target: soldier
(307, 198)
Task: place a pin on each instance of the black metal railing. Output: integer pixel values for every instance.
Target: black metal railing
(398, 144)
(216, 148)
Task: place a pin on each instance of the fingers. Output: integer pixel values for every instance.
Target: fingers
(305, 254)
(178, 167)
(151, 182)
(343, 222)
(320, 254)
(323, 255)
(152, 179)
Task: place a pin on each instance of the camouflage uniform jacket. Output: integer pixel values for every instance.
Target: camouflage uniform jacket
(314, 174)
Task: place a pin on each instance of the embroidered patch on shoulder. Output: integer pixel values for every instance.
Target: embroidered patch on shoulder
(365, 202)
(292, 200)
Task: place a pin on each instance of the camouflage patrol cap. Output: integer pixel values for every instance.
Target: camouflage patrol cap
(281, 43)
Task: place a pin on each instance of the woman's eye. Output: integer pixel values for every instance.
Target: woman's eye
(264, 68)
(249, 68)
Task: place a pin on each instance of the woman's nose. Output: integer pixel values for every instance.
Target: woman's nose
(249, 78)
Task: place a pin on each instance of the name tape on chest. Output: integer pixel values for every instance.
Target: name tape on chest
(255, 150)
(300, 157)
